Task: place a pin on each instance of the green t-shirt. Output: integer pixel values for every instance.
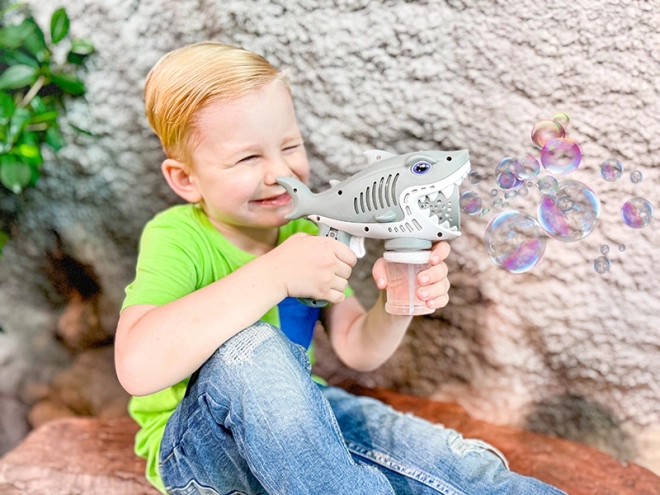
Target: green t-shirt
(181, 252)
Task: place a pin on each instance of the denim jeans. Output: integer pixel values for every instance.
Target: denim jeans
(254, 422)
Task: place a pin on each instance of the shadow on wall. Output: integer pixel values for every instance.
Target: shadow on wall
(575, 418)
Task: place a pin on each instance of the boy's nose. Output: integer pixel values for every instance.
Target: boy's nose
(278, 167)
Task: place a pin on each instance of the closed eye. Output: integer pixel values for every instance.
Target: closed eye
(291, 148)
(248, 158)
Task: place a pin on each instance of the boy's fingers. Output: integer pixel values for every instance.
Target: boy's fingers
(433, 274)
(440, 252)
(345, 254)
(379, 273)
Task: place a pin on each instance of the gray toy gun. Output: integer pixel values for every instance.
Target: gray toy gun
(409, 200)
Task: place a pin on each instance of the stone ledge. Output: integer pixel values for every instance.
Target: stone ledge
(92, 456)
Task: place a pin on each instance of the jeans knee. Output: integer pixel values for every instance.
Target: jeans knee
(257, 349)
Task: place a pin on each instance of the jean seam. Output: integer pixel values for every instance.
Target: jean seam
(389, 462)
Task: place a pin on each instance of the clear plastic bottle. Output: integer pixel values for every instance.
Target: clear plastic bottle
(402, 270)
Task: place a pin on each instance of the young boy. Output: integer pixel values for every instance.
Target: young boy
(212, 340)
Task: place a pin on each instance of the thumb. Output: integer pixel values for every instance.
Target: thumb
(380, 274)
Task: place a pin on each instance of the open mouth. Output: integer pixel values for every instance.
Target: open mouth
(279, 200)
(437, 204)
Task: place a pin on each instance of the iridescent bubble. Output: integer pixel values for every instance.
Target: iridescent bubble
(561, 156)
(506, 180)
(636, 176)
(505, 204)
(506, 164)
(562, 119)
(511, 194)
(497, 201)
(527, 168)
(529, 183)
(602, 264)
(470, 203)
(474, 177)
(611, 169)
(514, 241)
(637, 213)
(604, 249)
(547, 184)
(523, 191)
(545, 131)
(493, 192)
(622, 247)
(485, 211)
(571, 213)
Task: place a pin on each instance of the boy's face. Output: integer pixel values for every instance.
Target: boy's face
(244, 145)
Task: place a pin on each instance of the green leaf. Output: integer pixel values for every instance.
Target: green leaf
(7, 107)
(16, 125)
(18, 76)
(14, 36)
(16, 57)
(37, 104)
(59, 25)
(44, 117)
(81, 46)
(69, 84)
(54, 138)
(14, 173)
(36, 42)
(4, 237)
(31, 154)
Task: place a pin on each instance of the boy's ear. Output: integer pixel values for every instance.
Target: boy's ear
(180, 180)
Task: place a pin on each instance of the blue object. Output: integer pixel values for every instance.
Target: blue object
(297, 321)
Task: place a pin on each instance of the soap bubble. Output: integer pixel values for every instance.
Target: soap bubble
(546, 130)
(506, 164)
(485, 211)
(470, 203)
(562, 119)
(493, 192)
(505, 204)
(622, 247)
(514, 241)
(604, 249)
(637, 213)
(561, 156)
(511, 194)
(497, 201)
(602, 264)
(636, 176)
(523, 191)
(506, 180)
(529, 183)
(527, 168)
(474, 177)
(611, 169)
(547, 184)
(571, 213)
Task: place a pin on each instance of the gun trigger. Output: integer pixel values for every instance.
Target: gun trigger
(386, 216)
(357, 246)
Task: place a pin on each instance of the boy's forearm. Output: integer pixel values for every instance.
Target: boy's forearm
(374, 337)
(171, 341)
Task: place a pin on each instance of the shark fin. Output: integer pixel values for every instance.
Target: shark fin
(374, 156)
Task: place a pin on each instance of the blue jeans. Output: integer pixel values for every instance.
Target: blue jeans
(254, 422)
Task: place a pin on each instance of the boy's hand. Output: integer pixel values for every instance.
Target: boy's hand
(434, 285)
(313, 266)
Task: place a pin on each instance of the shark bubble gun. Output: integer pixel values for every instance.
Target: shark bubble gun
(409, 200)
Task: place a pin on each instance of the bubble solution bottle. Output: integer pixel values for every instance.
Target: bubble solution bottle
(402, 269)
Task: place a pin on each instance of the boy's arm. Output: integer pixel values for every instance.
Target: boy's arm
(365, 340)
(158, 346)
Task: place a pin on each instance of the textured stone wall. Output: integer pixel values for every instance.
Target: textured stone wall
(560, 349)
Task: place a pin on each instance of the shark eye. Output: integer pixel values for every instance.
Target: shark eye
(420, 167)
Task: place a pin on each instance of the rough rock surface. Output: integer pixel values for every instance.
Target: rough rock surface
(94, 456)
(560, 349)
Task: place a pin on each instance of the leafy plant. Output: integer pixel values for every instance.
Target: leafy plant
(33, 86)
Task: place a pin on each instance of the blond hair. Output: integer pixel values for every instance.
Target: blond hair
(188, 79)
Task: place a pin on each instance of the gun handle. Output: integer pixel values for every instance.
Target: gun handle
(326, 231)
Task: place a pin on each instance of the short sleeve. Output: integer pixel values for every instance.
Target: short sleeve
(166, 267)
